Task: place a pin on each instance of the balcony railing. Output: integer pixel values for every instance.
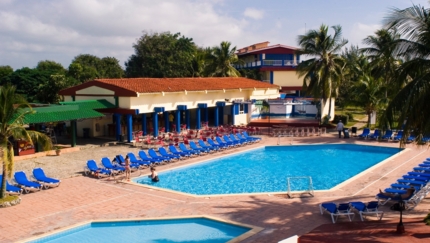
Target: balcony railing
(269, 63)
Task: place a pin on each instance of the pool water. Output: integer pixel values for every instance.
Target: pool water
(160, 231)
(266, 169)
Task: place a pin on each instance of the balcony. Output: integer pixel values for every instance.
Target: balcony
(269, 63)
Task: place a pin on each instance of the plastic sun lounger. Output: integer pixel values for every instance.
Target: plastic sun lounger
(219, 141)
(242, 139)
(185, 149)
(249, 140)
(418, 174)
(11, 190)
(92, 168)
(335, 211)
(210, 147)
(41, 177)
(228, 140)
(418, 178)
(422, 169)
(133, 159)
(145, 157)
(164, 153)
(234, 139)
(375, 135)
(154, 155)
(108, 165)
(365, 134)
(173, 150)
(194, 146)
(24, 183)
(383, 199)
(398, 136)
(365, 209)
(388, 135)
(212, 143)
(249, 137)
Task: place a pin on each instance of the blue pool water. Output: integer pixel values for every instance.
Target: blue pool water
(157, 231)
(266, 169)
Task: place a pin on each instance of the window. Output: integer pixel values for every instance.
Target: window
(241, 108)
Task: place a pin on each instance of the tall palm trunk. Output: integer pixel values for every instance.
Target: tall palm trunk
(3, 181)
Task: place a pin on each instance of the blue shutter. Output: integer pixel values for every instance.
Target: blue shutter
(245, 108)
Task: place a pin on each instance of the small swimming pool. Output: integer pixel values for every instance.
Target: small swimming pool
(266, 169)
(200, 229)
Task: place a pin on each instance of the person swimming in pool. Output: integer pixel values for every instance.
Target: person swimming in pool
(154, 175)
(409, 192)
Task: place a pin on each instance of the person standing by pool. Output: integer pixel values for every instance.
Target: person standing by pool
(340, 128)
(154, 175)
(127, 168)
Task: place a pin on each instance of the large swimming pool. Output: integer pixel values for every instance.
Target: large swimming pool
(266, 169)
(160, 231)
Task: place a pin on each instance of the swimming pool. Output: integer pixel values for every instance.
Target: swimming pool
(199, 229)
(266, 169)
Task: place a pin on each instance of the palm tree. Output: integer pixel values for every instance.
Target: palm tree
(13, 109)
(323, 71)
(221, 60)
(411, 103)
(382, 52)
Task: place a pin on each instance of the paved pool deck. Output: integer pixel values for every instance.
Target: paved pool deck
(80, 198)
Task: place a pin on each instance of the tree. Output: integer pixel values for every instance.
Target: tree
(27, 82)
(48, 91)
(411, 103)
(161, 55)
(13, 109)
(221, 60)
(5, 71)
(383, 56)
(354, 62)
(86, 67)
(51, 67)
(323, 71)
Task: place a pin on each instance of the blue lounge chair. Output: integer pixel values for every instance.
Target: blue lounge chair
(11, 190)
(154, 155)
(219, 146)
(164, 153)
(250, 137)
(365, 209)
(398, 136)
(40, 176)
(411, 138)
(335, 211)
(383, 199)
(375, 134)
(173, 150)
(121, 161)
(194, 146)
(145, 157)
(228, 140)
(210, 147)
(222, 143)
(24, 183)
(184, 148)
(108, 165)
(365, 134)
(414, 173)
(388, 135)
(98, 172)
(239, 141)
(249, 140)
(142, 163)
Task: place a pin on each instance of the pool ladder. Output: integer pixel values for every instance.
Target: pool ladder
(279, 139)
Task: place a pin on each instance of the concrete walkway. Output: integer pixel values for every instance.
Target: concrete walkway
(81, 198)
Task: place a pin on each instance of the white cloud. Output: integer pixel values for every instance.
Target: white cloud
(253, 13)
(64, 29)
(360, 31)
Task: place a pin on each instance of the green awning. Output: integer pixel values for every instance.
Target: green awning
(91, 104)
(60, 113)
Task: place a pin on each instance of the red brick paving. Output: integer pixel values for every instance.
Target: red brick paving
(80, 199)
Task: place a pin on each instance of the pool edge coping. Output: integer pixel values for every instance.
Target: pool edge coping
(253, 230)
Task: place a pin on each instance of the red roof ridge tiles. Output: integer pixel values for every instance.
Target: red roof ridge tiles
(132, 86)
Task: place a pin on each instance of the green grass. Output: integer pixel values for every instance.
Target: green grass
(8, 198)
(427, 219)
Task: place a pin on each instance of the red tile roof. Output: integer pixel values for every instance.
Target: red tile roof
(130, 86)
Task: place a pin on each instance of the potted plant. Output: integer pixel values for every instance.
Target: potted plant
(58, 150)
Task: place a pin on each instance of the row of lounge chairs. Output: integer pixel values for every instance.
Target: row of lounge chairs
(297, 131)
(162, 156)
(349, 209)
(418, 178)
(24, 185)
(389, 135)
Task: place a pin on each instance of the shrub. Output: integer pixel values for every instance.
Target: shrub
(344, 119)
(350, 115)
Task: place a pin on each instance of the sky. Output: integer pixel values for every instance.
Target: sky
(32, 31)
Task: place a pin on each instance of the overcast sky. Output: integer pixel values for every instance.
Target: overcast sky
(59, 30)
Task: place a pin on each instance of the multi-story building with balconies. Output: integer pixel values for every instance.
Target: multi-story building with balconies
(275, 63)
